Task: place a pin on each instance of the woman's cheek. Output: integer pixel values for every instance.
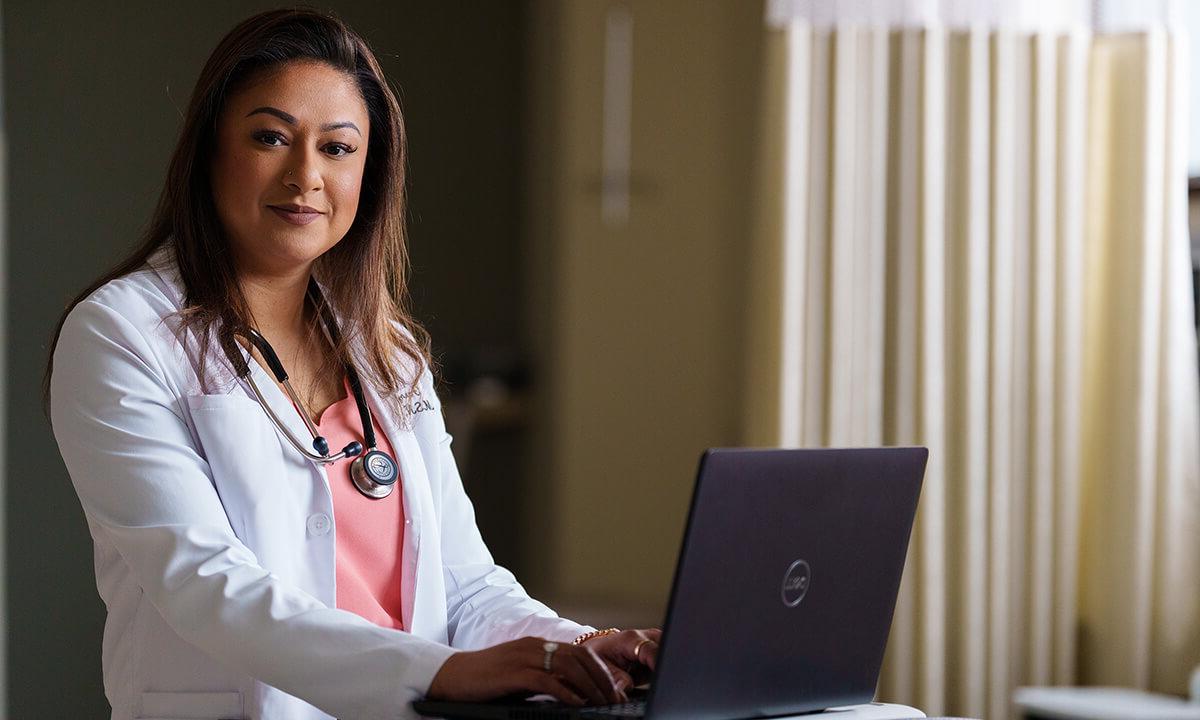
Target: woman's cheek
(346, 201)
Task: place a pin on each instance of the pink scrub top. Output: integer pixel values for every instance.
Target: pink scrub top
(369, 533)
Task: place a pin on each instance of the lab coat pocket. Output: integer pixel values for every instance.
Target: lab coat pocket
(243, 452)
(191, 706)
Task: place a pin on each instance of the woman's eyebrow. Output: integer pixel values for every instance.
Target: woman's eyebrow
(290, 120)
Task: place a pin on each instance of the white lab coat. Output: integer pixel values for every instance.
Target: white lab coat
(214, 541)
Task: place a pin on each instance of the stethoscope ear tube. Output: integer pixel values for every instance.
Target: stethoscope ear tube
(268, 352)
(350, 450)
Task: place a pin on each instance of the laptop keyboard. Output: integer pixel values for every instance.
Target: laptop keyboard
(635, 709)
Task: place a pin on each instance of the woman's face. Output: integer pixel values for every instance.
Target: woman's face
(294, 138)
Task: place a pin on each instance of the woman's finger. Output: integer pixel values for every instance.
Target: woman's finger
(567, 666)
(645, 652)
(545, 683)
(601, 675)
(623, 679)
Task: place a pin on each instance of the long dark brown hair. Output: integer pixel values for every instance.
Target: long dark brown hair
(373, 309)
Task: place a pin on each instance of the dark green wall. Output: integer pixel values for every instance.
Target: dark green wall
(93, 94)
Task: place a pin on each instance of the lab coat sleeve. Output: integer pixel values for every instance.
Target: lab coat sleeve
(485, 604)
(149, 493)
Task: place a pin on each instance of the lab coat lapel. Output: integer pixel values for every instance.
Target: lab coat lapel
(163, 263)
(414, 484)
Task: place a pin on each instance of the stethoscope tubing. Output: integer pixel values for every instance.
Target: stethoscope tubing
(262, 400)
(373, 471)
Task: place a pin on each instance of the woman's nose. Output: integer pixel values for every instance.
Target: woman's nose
(303, 175)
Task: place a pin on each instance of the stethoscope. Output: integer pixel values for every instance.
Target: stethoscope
(374, 472)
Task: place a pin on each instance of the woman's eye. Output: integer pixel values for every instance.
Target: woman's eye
(267, 137)
(274, 139)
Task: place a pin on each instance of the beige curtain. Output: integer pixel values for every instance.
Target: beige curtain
(975, 240)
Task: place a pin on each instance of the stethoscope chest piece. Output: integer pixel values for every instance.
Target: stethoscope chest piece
(374, 474)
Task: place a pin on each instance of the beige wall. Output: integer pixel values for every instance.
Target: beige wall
(641, 326)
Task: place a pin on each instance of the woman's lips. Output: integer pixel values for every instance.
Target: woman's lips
(295, 218)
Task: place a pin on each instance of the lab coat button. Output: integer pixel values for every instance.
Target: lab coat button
(318, 524)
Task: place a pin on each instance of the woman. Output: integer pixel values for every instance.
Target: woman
(279, 241)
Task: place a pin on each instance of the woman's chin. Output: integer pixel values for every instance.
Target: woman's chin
(284, 253)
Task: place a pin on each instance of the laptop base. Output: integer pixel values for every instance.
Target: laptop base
(556, 711)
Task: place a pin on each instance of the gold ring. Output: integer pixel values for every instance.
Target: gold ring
(637, 649)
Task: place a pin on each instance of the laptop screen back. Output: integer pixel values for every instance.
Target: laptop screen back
(787, 580)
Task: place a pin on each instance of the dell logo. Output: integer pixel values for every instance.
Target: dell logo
(795, 583)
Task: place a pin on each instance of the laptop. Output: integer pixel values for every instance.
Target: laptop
(783, 593)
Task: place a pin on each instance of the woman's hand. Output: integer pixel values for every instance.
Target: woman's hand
(577, 675)
(631, 654)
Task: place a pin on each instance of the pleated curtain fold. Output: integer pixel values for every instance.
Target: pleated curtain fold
(976, 240)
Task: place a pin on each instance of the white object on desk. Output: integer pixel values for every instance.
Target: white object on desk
(1102, 703)
(868, 711)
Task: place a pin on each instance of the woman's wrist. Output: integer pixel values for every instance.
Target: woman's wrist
(594, 634)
